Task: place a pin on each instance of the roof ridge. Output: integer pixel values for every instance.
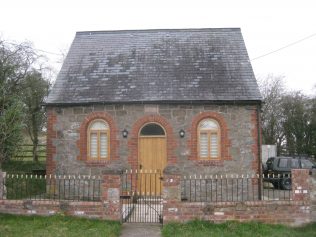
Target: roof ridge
(157, 30)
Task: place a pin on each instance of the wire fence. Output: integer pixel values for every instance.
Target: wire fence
(235, 188)
(52, 187)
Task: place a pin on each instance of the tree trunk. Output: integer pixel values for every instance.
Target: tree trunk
(35, 136)
(35, 149)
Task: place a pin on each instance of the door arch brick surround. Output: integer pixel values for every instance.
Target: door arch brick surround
(133, 139)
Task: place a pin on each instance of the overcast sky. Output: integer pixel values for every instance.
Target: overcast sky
(266, 26)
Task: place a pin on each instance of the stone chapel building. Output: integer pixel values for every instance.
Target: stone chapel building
(146, 99)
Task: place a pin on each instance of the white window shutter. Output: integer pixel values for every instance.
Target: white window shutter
(93, 145)
(203, 145)
(214, 145)
(103, 145)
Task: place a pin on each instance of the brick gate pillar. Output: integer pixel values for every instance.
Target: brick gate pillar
(110, 193)
(171, 193)
(300, 184)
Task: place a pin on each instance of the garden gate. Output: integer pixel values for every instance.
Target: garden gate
(141, 199)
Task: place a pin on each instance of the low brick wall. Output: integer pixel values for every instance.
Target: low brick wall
(273, 212)
(107, 208)
(49, 207)
(295, 212)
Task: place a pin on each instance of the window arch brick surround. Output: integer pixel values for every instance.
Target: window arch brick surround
(82, 142)
(133, 139)
(224, 140)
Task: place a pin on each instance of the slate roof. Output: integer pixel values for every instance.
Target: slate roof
(179, 65)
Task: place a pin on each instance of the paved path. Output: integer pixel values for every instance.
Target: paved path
(141, 230)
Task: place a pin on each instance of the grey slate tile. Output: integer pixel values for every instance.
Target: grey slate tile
(156, 65)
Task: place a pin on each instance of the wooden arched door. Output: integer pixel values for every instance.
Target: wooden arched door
(152, 155)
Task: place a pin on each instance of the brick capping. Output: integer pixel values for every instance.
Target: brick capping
(224, 139)
(133, 139)
(82, 142)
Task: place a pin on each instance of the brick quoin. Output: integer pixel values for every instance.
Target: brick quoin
(224, 140)
(51, 135)
(254, 134)
(133, 139)
(82, 142)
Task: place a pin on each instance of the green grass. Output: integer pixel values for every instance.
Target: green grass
(231, 229)
(13, 225)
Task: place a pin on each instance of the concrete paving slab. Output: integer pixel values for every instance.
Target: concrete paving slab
(141, 230)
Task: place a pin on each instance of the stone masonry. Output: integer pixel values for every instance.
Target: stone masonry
(239, 140)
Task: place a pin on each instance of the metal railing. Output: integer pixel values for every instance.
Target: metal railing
(233, 188)
(52, 187)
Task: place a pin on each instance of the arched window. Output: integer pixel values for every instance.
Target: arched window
(98, 140)
(152, 129)
(209, 139)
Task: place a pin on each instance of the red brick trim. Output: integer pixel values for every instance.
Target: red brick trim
(133, 139)
(254, 134)
(224, 140)
(51, 135)
(82, 142)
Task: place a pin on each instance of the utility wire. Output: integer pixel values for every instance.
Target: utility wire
(49, 52)
(284, 47)
(40, 50)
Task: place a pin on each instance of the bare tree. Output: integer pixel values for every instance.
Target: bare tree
(272, 90)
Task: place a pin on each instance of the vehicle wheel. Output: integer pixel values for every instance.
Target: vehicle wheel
(286, 183)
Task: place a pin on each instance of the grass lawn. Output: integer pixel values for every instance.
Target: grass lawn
(27, 226)
(231, 229)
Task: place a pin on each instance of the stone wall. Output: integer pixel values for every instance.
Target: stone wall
(66, 145)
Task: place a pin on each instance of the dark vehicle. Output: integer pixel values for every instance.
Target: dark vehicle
(278, 170)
